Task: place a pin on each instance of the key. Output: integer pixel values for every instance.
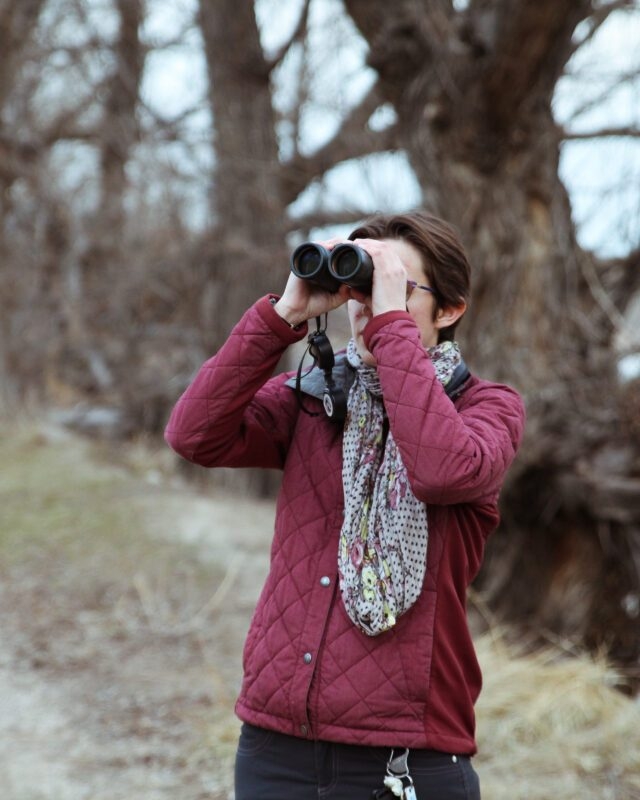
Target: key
(409, 792)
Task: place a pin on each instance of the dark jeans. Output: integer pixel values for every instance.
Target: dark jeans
(271, 766)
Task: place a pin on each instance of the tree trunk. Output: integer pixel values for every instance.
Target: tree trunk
(18, 20)
(245, 249)
(473, 93)
(120, 130)
(98, 303)
(244, 252)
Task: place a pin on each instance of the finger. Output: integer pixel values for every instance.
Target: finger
(359, 296)
(329, 244)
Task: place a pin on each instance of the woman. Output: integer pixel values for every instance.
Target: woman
(359, 653)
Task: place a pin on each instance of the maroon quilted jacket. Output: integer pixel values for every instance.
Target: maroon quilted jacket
(308, 671)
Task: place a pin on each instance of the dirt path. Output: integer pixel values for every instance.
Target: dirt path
(121, 688)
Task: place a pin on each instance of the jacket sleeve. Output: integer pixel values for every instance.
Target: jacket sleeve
(232, 414)
(453, 453)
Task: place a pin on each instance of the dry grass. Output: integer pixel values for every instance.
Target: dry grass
(552, 725)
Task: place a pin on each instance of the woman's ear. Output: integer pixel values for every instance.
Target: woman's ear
(445, 317)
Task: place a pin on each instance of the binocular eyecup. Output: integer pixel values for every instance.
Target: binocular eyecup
(346, 263)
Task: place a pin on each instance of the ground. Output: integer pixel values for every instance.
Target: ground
(125, 597)
(126, 590)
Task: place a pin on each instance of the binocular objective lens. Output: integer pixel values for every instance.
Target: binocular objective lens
(308, 261)
(346, 263)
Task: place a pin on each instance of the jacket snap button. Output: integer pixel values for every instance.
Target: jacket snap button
(325, 581)
(307, 658)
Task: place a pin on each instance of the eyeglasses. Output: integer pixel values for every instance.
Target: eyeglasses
(411, 285)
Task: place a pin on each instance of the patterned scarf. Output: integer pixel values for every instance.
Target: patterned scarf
(383, 542)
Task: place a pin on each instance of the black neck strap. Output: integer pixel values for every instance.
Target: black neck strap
(334, 398)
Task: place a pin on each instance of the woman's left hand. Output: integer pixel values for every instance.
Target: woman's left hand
(389, 290)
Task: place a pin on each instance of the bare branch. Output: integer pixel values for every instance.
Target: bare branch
(298, 33)
(174, 129)
(602, 297)
(616, 81)
(323, 219)
(78, 50)
(371, 16)
(599, 17)
(177, 38)
(620, 278)
(623, 131)
(353, 139)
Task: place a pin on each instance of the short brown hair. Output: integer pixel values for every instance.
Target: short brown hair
(444, 260)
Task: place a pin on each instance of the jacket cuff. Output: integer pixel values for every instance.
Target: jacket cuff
(274, 321)
(379, 321)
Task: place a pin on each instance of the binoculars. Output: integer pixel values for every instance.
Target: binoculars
(346, 263)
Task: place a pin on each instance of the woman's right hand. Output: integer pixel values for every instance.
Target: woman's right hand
(303, 300)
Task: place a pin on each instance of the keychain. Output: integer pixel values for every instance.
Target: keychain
(398, 782)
